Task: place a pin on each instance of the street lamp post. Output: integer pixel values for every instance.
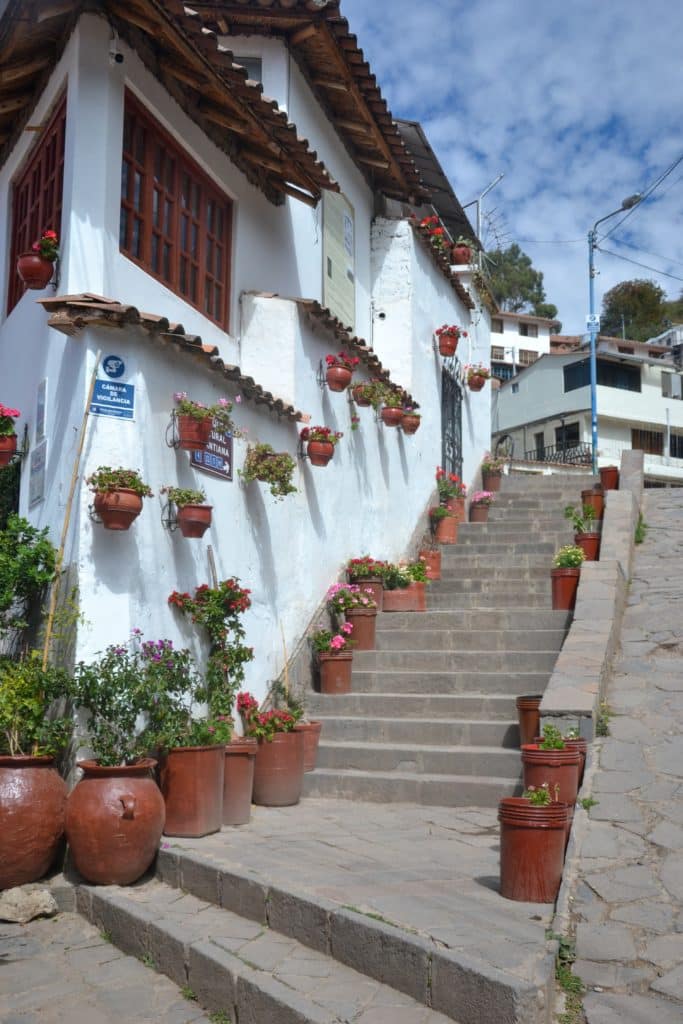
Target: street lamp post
(627, 204)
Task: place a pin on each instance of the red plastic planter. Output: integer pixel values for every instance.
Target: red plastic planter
(596, 500)
(609, 478)
(589, 544)
(564, 584)
(529, 715)
(194, 433)
(532, 842)
(556, 767)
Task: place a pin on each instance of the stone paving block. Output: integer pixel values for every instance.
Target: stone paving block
(665, 951)
(263, 999)
(671, 984)
(604, 840)
(610, 1008)
(648, 915)
(622, 884)
(671, 875)
(200, 877)
(243, 896)
(111, 914)
(610, 975)
(617, 807)
(668, 835)
(604, 942)
(668, 757)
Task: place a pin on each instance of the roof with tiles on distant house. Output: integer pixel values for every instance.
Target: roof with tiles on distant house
(194, 67)
(321, 43)
(73, 313)
(528, 316)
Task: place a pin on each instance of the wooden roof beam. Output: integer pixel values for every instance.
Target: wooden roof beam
(355, 127)
(183, 74)
(302, 34)
(15, 103)
(211, 113)
(330, 83)
(128, 13)
(16, 72)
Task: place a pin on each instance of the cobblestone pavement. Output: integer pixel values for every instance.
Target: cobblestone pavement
(62, 971)
(629, 903)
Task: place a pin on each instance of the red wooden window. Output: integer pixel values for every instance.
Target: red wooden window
(174, 222)
(37, 196)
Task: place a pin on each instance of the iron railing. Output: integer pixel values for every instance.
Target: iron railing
(570, 454)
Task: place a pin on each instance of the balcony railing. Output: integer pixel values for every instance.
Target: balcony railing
(573, 455)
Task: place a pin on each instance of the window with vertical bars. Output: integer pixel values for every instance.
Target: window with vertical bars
(174, 222)
(37, 196)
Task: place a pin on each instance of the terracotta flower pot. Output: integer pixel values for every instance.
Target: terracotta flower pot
(461, 255)
(410, 423)
(609, 478)
(359, 396)
(191, 781)
(364, 622)
(319, 452)
(419, 588)
(194, 433)
(403, 599)
(391, 417)
(338, 378)
(114, 818)
(532, 842)
(335, 672)
(491, 479)
(556, 767)
(32, 802)
(238, 780)
(35, 271)
(311, 734)
(375, 586)
(589, 544)
(596, 500)
(448, 344)
(118, 509)
(194, 520)
(445, 530)
(476, 383)
(457, 507)
(529, 715)
(432, 560)
(564, 586)
(479, 513)
(279, 770)
(8, 448)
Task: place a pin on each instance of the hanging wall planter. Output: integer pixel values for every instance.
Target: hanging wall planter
(461, 255)
(114, 819)
(194, 520)
(32, 803)
(320, 444)
(118, 496)
(476, 376)
(8, 437)
(410, 422)
(36, 267)
(195, 421)
(339, 371)
(391, 415)
(8, 449)
(362, 395)
(448, 337)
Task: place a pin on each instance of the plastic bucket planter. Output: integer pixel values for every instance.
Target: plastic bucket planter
(532, 843)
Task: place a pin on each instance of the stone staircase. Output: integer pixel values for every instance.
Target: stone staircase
(432, 717)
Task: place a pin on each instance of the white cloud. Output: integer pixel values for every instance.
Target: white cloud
(577, 103)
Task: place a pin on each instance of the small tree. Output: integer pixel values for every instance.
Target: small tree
(634, 309)
(516, 285)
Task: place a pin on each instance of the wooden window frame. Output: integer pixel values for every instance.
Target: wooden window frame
(170, 216)
(37, 194)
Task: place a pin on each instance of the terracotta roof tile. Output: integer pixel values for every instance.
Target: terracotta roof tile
(72, 313)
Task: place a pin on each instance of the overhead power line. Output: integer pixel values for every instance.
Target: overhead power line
(662, 273)
(646, 195)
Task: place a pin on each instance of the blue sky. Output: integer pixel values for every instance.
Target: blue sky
(577, 103)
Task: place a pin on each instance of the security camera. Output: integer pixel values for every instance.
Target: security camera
(115, 55)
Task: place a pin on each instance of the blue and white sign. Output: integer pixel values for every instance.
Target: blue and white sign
(110, 398)
(114, 367)
(593, 322)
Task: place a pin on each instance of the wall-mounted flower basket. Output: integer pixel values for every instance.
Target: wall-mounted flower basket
(8, 436)
(317, 444)
(476, 376)
(448, 337)
(410, 422)
(192, 422)
(186, 511)
(193, 435)
(361, 396)
(36, 267)
(461, 255)
(269, 467)
(8, 449)
(339, 371)
(118, 496)
(391, 417)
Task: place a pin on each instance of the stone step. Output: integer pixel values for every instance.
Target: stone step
(510, 524)
(443, 661)
(452, 602)
(492, 571)
(485, 584)
(246, 969)
(459, 559)
(512, 682)
(500, 551)
(419, 758)
(407, 787)
(523, 482)
(469, 640)
(420, 731)
(485, 619)
(493, 706)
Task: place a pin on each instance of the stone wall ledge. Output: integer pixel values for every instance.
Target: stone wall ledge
(576, 687)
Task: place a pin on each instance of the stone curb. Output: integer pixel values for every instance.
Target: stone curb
(450, 983)
(577, 684)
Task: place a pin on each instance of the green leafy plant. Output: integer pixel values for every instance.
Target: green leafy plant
(439, 512)
(571, 985)
(569, 557)
(396, 577)
(324, 434)
(373, 391)
(587, 802)
(641, 529)
(269, 467)
(219, 412)
(263, 725)
(581, 519)
(47, 246)
(326, 641)
(28, 695)
(365, 568)
(7, 418)
(181, 496)
(449, 485)
(417, 571)
(540, 796)
(602, 719)
(476, 370)
(393, 398)
(188, 993)
(106, 479)
(219, 1017)
(552, 739)
(218, 610)
(27, 566)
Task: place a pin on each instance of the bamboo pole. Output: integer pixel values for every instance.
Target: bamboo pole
(67, 514)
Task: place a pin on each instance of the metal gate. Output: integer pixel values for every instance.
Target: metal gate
(451, 421)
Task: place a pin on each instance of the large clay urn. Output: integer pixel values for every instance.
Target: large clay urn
(34, 270)
(532, 842)
(279, 772)
(32, 801)
(114, 820)
(238, 780)
(117, 509)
